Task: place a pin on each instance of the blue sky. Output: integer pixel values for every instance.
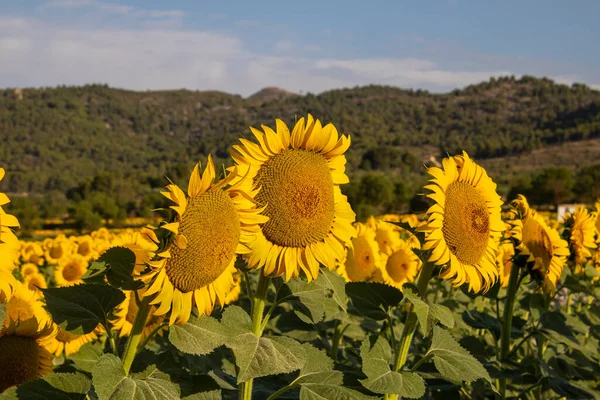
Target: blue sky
(308, 46)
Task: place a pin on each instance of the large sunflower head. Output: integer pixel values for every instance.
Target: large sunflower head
(70, 270)
(23, 353)
(581, 231)
(298, 176)
(363, 258)
(464, 224)
(25, 307)
(400, 265)
(32, 252)
(213, 223)
(546, 250)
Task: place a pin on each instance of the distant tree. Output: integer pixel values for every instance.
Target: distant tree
(552, 186)
(587, 184)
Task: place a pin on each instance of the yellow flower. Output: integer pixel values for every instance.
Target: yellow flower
(24, 356)
(70, 270)
(28, 269)
(298, 176)
(125, 313)
(363, 258)
(214, 223)
(543, 244)
(9, 246)
(67, 342)
(386, 234)
(84, 246)
(35, 281)
(464, 224)
(582, 232)
(32, 252)
(56, 249)
(25, 307)
(506, 251)
(234, 293)
(400, 266)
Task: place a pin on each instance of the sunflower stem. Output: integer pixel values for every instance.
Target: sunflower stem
(258, 309)
(151, 335)
(410, 324)
(513, 286)
(570, 303)
(136, 334)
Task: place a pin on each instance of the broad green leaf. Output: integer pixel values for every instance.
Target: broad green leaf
(79, 309)
(317, 391)
(56, 386)
(537, 305)
(438, 312)
(591, 272)
(210, 395)
(332, 281)
(452, 361)
(121, 262)
(318, 368)
(87, 356)
(373, 300)
(256, 357)
(381, 379)
(575, 286)
(307, 299)
(478, 320)
(111, 383)
(419, 306)
(555, 321)
(568, 390)
(198, 337)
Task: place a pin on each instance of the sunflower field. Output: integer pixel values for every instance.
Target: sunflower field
(258, 283)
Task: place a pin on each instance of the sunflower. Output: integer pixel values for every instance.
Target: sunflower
(24, 356)
(56, 249)
(234, 293)
(506, 251)
(214, 222)
(546, 250)
(84, 246)
(70, 270)
(28, 269)
(464, 224)
(400, 266)
(386, 234)
(598, 219)
(124, 315)
(35, 281)
(582, 231)
(298, 176)
(363, 258)
(32, 252)
(9, 246)
(68, 342)
(25, 307)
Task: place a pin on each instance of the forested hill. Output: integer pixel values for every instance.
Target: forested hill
(57, 138)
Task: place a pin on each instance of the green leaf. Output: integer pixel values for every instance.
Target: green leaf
(336, 284)
(111, 383)
(210, 395)
(381, 379)
(117, 264)
(87, 356)
(555, 321)
(57, 386)
(318, 368)
(307, 299)
(452, 361)
(438, 312)
(591, 272)
(79, 309)
(256, 357)
(198, 337)
(373, 300)
(317, 391)
(576, 286)
(537, 305)
(419, 307)
(567, 389)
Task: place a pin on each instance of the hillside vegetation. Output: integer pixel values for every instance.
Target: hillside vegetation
(79, 140)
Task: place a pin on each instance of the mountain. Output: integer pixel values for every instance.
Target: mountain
(59, 138)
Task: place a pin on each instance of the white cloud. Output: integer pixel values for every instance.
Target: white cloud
(162, 56)
(403, 72)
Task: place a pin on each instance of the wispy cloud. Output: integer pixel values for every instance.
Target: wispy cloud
(156, 57)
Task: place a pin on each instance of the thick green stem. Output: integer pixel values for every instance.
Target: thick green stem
(570, 303)
(258, 309)
(411, 320)
(136, 334)
(513, 285)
